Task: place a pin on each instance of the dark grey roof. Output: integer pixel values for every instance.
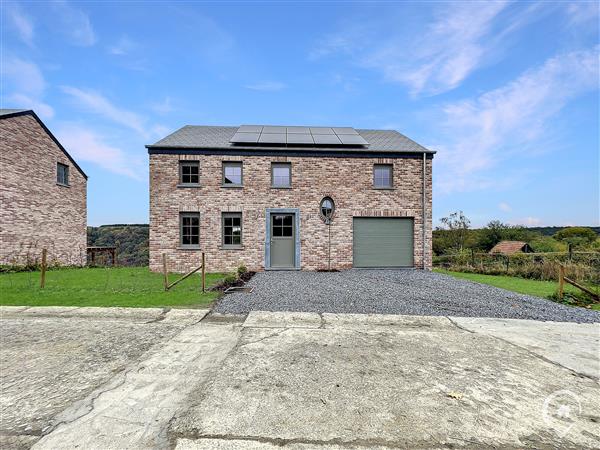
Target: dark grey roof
(217, 138)
(6, 112)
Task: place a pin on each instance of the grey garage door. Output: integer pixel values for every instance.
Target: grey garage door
(383, 242)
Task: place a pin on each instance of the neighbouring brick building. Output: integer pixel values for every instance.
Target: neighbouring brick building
(42, 194)
(310, 198)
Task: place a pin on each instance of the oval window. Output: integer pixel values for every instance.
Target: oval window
(327, 208)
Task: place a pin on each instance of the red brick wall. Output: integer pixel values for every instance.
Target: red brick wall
(347, 180)
(36, 212)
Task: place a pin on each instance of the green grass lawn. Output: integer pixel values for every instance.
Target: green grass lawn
(121, 286)
(521, 285)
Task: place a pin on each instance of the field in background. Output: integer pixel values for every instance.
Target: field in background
(537, 288)
(121, 286)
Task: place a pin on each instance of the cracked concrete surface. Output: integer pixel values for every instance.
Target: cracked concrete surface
(165, 379)
(53, 357)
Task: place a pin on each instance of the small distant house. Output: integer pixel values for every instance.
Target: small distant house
(42, 193)
(511, 247)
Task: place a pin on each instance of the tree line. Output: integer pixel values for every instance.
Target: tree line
(455, 235)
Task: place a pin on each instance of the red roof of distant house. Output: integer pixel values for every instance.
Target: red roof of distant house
(510, 247)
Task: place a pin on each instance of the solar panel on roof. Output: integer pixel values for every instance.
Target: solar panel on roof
(321, 130)
(344, 130)
(298, 138)
(270, 129)
(300, 130)
(248, 138)
(250, 129)
(272, 138)
(350, 139)
(284, 136)
(330, 139)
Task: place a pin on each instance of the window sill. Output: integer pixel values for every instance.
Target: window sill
(231, 247)
(234, 186)
(281, 187)
(189, 248)
(188, 186)
(63, 185)
(384, 188)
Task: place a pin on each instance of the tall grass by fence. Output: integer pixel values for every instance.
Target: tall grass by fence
(579, 266)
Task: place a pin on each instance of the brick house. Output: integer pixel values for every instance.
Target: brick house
(42, 193)
(310, 198)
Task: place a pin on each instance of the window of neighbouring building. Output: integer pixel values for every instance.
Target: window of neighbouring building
(62, 174)
(189, 229)
(189, 172)
(383, 175)
(232, 229)
(232, 174)
(281, 175)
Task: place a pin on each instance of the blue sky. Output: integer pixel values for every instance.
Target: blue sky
(506, 92)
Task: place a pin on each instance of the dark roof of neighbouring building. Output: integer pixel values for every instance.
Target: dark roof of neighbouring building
(196, 137)
(8, 113)
(508, 247)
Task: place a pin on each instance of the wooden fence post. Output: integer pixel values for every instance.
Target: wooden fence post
(561, 281)
(203, 273)
(165, 273)
(507, 262)
(43, 276)
(570, 252)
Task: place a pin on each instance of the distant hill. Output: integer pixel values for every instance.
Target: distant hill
(550, 231)
(131, 242)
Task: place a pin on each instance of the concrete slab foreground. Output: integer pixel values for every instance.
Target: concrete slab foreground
(429, 384)
(51, 360)
(163, 379)
(134, 408)
(572, 345)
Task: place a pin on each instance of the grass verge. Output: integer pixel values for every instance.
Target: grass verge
(122, 286)
(537, 288)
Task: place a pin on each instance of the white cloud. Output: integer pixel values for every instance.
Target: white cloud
(163, 107)
(85, 145)
(454, 46)
(25, 76)
(504, 207)
(74, 23)
(510, 121)
(22, 101)
(462, 37)
(21, 22)
(26, 86)
(582, 12)
(267, 86)
(123, 47)
(98, 104)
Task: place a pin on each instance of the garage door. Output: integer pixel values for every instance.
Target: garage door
(383, 242)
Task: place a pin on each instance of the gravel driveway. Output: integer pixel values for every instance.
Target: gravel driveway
(411, 292)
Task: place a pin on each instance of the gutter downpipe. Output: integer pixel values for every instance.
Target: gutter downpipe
(423, 225)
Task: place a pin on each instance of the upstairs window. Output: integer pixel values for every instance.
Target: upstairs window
(383, 176)
(281, 175)
(232, 174)
(189, 229)
(232, 229)
(189, 172)
(62, 174)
